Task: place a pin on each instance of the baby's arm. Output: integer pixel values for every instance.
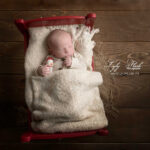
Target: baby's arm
(43, 69)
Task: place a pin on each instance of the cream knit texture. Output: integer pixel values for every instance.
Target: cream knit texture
(66, 100)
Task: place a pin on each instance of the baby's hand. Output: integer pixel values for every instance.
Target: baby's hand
(44, 70)
(68, 61)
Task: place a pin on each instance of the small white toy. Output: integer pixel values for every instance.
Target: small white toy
(50, 64)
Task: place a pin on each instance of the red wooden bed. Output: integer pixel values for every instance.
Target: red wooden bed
(23, 26)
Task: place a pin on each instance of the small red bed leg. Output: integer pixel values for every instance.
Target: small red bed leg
(103, 132)
(26, 137)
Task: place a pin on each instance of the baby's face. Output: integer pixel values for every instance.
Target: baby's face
(60, 45)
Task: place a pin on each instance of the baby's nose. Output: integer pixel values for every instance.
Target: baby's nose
(66, 50)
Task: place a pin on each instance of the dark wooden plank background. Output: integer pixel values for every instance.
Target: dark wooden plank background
(124, 33)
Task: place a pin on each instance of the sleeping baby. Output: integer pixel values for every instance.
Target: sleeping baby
(61, 54)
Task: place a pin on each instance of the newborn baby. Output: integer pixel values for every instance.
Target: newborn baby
(61, 51)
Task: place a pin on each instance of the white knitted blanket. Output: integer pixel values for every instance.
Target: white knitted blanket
(67, 100)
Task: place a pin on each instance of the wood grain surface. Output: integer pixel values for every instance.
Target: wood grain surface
(75, 5)
(124, 34)
(114, 25)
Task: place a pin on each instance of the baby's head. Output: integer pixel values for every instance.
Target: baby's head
(60, 44)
